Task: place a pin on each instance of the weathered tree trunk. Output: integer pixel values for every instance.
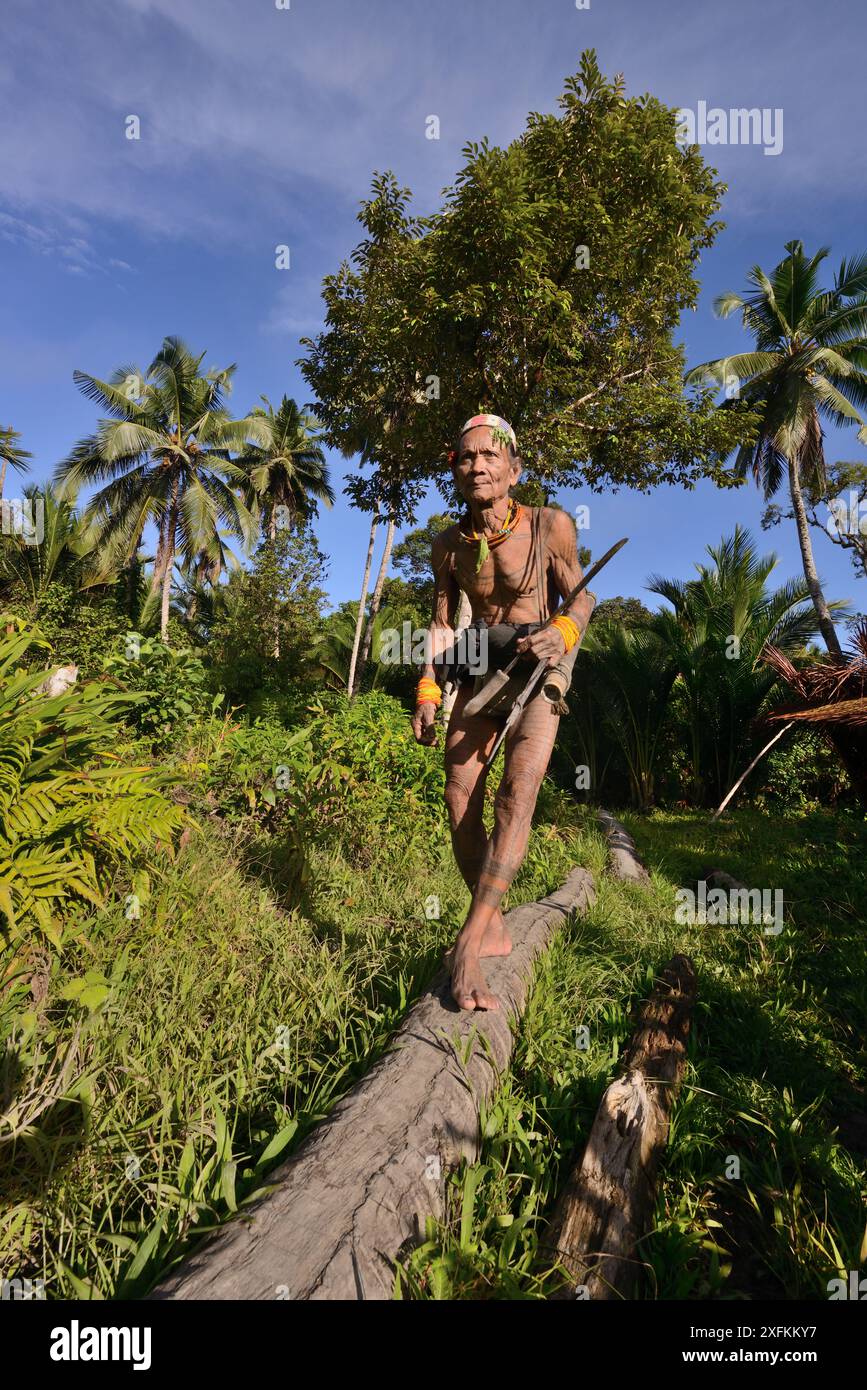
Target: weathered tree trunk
(4, 464)
(823, 613)
(166, 595)
(607, 1203)
(169, 560)
(374, 603)
(157, 575)
(625, 861)
(358, 1190)
(350, 683)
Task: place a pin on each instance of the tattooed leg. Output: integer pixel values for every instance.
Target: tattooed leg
(468, 743)
(528, 750)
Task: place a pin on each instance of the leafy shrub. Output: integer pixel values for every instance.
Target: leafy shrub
(68, 812)
(352, 772)
(80, 627)
(171, 685)
(801, 771)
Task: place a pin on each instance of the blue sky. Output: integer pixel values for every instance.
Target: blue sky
(262, 126)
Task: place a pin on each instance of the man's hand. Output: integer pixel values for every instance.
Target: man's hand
(549, 642)
(423, 725)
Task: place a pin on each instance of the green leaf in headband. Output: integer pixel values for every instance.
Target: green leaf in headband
(484, 552)
(500, 436)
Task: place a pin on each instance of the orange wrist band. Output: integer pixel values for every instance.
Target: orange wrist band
(570, 630)
(427, 692)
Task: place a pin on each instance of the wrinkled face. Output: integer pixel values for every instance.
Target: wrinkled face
(484, 470)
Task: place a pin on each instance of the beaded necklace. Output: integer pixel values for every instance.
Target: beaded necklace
(488, 543)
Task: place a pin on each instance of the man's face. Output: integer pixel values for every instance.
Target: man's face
(484, 472)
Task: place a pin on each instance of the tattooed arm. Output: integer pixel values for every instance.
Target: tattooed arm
(562, 549)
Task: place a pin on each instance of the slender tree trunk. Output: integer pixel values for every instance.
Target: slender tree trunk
(157, 576)
(133, 571)
(350, 684)
(168, 561)
(374, 604)
(823, 613)
(272, 537)
(5, 465)
(164, 605)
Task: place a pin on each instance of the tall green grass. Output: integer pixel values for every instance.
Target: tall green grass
(775, 1078)
(156, 1069)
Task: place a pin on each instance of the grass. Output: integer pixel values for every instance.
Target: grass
(219, 1029)
(220, 1024)
(761, 1189)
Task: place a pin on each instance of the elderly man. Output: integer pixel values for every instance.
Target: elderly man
(514, 563)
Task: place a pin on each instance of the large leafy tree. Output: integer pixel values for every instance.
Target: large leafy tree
(164, 455)
(809, 366)
(287, 470)
(547, 288)
(261, 624)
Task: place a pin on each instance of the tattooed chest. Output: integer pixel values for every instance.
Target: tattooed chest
(508, 573)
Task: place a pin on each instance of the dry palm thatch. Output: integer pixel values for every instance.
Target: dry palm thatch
(833, 700)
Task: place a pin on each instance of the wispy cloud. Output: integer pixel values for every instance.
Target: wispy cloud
(255, 118)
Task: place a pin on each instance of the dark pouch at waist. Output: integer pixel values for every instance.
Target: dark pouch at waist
(481, 650)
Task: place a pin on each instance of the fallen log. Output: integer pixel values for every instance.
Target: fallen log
(623, 856)
(607, 1203)
(357, 1192)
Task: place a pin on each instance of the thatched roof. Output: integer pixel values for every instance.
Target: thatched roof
(831, 692)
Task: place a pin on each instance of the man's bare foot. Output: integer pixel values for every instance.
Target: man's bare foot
(495, 942)
(469, 988)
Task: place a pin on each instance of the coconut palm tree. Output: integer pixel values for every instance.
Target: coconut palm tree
(288, 470)
(200, 574)
(809, 365)
(11, 453)
(164, 455)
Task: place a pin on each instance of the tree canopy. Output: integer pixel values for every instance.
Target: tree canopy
(548, 288)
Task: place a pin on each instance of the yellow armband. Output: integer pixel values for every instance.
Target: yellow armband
(569, 630)
(427, 692)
